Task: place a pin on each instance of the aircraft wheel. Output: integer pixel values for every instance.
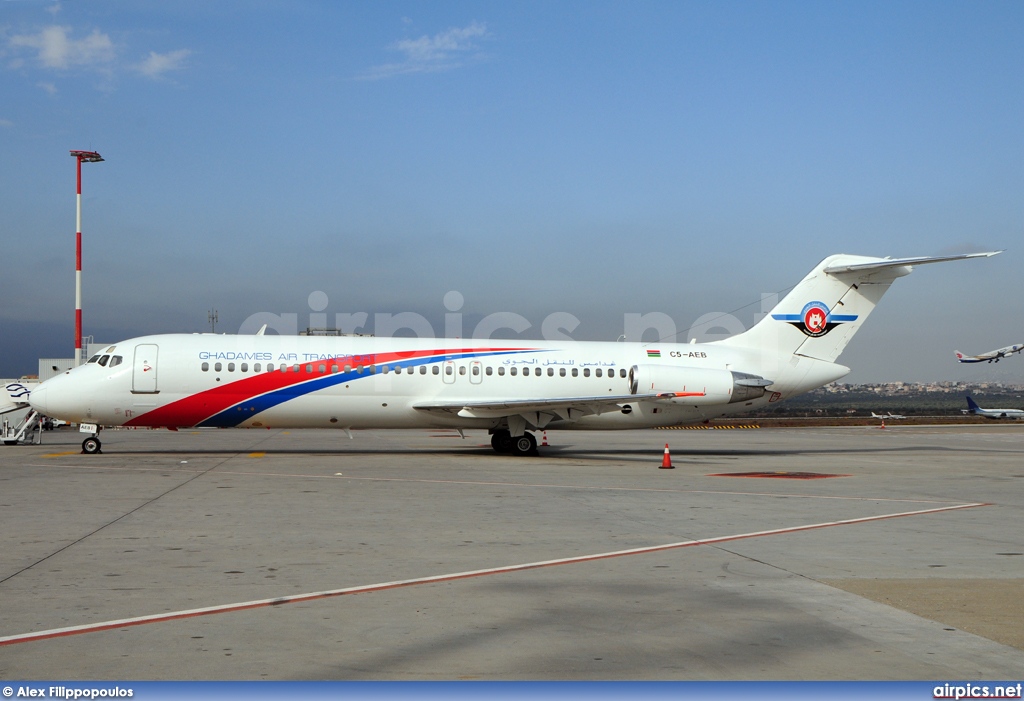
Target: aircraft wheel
(501, 441)
(525, 444)
(91, 445)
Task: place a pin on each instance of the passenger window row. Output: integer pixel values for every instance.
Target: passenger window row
(397, 369)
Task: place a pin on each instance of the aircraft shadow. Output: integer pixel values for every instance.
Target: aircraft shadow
(569, 451)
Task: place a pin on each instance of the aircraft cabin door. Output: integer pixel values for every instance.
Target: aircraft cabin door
(144, 369)
(476, 372)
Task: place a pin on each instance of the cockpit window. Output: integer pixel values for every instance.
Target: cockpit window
(115, 360)
(94, 358)
(104, 359)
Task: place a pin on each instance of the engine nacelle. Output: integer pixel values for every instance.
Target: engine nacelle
(695, 386)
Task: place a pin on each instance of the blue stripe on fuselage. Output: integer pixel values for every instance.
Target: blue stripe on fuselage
(244, 410)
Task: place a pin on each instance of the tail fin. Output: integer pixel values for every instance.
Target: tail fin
(821, 314)
(971, 405)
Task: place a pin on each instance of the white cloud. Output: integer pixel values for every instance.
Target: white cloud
(158, 64)
(440, 47)
(49, 88)
(429, 54)
(57, 49)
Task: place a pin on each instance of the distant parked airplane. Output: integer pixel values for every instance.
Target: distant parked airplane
(15, 395)
(973, 408)
(991, 356)
(890, 415)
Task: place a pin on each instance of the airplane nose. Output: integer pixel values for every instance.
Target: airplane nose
(37, 399)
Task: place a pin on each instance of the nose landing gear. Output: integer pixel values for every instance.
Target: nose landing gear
(91, 445)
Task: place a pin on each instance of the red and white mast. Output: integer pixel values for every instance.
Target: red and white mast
(80, 157)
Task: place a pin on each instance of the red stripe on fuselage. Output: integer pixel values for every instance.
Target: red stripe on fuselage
(194, 409)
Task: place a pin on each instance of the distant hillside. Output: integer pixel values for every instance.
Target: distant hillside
(939, 399)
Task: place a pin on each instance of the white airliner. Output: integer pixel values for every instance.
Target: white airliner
(15, 395)
(991, 356)
(890, 415)
(506, 387)
(973, 408)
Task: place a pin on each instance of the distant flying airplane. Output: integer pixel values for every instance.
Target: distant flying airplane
(890, 415)
(991, 356)
(973, 408)
(505, 387)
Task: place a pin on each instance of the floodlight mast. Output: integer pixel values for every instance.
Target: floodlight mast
(80, 157)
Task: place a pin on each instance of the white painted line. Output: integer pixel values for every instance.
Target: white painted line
(295, 598)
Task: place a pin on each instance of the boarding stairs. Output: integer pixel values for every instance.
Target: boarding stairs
(28, 430)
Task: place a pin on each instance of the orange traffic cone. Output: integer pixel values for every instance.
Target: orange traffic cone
(666, 460)
(543, 439)
(883, 425)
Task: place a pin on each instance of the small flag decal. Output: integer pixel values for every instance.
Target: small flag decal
(654, 354)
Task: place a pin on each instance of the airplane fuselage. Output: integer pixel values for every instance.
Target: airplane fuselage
(973, 408)
(1015, 414)
(365, 382)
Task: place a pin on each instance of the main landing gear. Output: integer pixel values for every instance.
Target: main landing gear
(503, 442)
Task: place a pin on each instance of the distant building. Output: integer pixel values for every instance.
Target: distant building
(50, 367)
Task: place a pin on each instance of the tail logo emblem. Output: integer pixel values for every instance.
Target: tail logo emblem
(815, 319)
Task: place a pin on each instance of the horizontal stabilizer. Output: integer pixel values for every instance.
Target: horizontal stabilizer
(900, 262)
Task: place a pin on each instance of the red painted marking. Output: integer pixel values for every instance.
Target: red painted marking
(780, 475)
(814, 319)
(194, 409)
(264, 603)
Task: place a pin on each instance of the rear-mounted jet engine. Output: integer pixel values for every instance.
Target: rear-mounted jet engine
(696, 386)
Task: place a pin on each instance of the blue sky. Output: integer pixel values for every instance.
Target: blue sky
(594, 158)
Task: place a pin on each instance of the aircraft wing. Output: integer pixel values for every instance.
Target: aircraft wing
(990, 355)
(566, 408)
(1010, 350)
